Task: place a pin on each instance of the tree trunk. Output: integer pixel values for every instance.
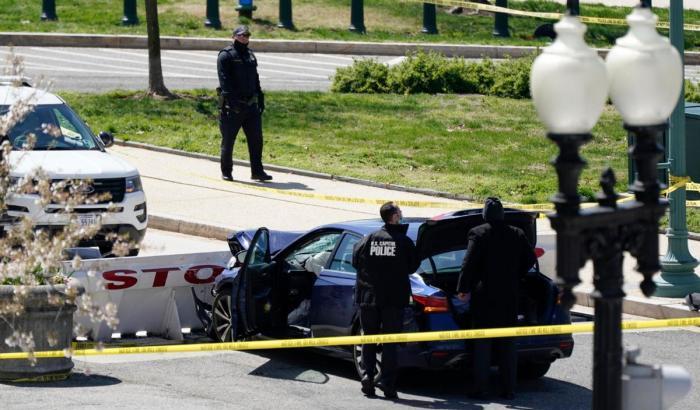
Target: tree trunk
(156, 85)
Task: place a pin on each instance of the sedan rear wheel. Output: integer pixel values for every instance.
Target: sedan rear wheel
(357, 358)
(221, 317)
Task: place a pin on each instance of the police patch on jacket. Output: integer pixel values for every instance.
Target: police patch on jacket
(382, 248)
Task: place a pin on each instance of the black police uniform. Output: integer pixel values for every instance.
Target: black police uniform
(384, 259)
(497, 257)
(242, 105)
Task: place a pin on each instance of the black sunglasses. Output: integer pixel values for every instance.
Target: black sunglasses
(243, 35)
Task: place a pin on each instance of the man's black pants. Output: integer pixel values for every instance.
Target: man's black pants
(507, 363)
(376, 320)
(230, 122)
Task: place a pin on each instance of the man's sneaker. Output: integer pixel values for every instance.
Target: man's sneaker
(261, 177)
(227, 177)
(367, 386)
(389, 392)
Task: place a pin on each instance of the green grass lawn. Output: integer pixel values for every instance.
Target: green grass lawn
(386, 20)
(472, 145)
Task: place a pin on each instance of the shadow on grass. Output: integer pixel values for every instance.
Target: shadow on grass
(76, 380)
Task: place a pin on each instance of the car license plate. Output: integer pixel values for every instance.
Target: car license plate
(87, 219)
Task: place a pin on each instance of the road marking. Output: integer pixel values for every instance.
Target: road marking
(65, 60)
(337, 57)
(44, 67)
(312, 62)
(211, 70)
(92, 56)
(261, 56)
(260, 68)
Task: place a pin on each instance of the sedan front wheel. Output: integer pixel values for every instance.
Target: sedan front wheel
(221, 317)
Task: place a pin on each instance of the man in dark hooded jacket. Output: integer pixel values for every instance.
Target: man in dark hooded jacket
(384, 259)
(497, 257)
(242, 103)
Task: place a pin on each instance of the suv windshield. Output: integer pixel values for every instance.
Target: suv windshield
(54, 126)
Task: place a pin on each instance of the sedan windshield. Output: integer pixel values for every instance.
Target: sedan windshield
(51, 127)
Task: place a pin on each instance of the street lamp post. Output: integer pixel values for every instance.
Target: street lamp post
(130, 17)
(429, 19)
(500, 21)
(285, 11)
(212, 20)
(48, 10)
(569, 85)
(677, 277)
(357, 17)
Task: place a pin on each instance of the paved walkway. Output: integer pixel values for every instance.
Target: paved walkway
(186, 195)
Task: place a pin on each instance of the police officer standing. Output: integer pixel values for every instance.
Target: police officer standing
(241, 102)
(497, 257)
(384, 259)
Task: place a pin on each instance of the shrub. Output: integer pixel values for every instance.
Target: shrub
(512, 78)
(692, 92)
(420, 72)
(481, 74)
(363, 76)
(433, 73)
(458, 77)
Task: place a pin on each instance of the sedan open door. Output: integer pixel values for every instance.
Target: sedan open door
(236, 313)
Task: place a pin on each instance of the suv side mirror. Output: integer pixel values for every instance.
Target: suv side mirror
(106, 138)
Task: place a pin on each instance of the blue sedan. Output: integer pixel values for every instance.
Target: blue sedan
(301, 284)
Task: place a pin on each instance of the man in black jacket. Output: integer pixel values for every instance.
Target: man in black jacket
(497, 257)
(384, 259)
(242, 103)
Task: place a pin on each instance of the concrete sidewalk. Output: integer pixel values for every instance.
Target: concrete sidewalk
(186, 195)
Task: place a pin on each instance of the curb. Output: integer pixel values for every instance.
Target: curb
(279, 46)
(638, 306)
(261, 45)
(166, 223)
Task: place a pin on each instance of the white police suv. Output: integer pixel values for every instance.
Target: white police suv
(66, 149)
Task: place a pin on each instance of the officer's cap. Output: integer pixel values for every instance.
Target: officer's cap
(241, 30)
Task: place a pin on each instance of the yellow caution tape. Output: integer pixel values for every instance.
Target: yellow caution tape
(683, 182)
(543, 15)
(408, 203)
(366, 339)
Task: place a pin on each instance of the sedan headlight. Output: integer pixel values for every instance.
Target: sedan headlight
(133, 184)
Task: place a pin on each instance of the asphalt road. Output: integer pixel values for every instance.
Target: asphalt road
(101, 69)
(304, 379)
